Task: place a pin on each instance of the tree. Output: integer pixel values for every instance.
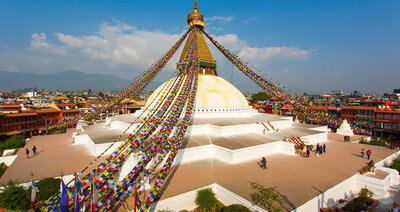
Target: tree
(260, 96)
(48, 187)
(235, 208)
(14, 197)
(101, 94)
(266, 197)
(206, 199)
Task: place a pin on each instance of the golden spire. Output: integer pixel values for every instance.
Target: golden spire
(195, 18)
(207, 63)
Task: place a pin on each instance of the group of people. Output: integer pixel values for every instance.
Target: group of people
(369, 152)
(320, 149)
(33, 150)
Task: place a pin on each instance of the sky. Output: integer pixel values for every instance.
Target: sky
(308, 46)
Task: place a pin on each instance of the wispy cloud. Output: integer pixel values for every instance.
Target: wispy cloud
(216, 23)
(120, 49)
(219, 19)
(261, 55)
(251, 19)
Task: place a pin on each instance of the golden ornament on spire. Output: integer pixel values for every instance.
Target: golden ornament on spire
(195, 18)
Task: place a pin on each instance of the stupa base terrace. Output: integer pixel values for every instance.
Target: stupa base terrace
(222, 153)
(231, 140)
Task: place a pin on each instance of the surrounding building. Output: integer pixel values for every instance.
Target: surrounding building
(361, 114)
(387, 122)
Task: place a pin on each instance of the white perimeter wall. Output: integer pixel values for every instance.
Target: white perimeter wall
(353, 185)
(233, 156)
(95, 149)
(186, 200)
(8, 160)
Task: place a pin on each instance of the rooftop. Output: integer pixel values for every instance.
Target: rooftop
(358, 107)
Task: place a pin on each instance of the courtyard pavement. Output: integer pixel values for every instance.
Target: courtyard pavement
(297, 178)
(56, 154)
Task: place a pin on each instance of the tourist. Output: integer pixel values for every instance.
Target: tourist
(27, 152)
(34, 150)
(308, 152)
(362, 152)
(324, 148)
(371, 162)
(264, 163)
(369, 152)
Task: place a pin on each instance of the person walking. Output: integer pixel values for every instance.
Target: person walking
(369, 154)
(27, 152)
(308, 152)
(34, 150)
(362, 152)
(264, 163)
(324, 148)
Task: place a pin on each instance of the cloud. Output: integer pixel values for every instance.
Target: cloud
(215, 23)
(219, 19)
(251, 19)
(123, 50)
(261, 55)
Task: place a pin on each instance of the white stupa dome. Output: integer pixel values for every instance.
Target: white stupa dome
(214, 94)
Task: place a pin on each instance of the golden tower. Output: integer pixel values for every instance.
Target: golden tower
(207, 63)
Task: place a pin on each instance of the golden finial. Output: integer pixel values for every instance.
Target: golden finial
(195, 18)
(195, 9)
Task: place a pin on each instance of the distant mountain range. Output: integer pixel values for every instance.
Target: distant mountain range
(71, 80)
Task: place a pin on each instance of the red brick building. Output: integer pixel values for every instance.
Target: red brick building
(68, 110)
(387, 122)
(18, 123)
(360, 114)
(14, 120)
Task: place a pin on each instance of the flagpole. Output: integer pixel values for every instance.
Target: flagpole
(76, 193)
(33, 187)
(91, 200)
(135, 205)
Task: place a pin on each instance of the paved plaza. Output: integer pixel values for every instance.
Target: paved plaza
(297, 178)
(56, 155)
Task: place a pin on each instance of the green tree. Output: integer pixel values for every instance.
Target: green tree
(47, 188)
(206, 199)
(260, 96)
(266, 197)
(235, 208)
(101, 94)
(395, 164)
(14, 142)
(14, 197)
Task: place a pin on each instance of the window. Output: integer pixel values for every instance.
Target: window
(388, 116)
(378, 124)
(379, 116)
(396, 117)
(396, 126)
(387, 126)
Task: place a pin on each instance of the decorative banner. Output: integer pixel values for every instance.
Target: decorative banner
(299, 106)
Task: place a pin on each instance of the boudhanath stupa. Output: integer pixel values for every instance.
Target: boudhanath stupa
(227, 138)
